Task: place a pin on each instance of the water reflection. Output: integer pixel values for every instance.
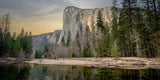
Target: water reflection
(52, 72)
(14, 72)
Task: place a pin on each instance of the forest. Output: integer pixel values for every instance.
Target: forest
(19, 46)
(134, 32)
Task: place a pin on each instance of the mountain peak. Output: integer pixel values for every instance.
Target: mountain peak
(73, 7)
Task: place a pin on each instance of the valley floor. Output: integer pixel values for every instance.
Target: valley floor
(107, 62)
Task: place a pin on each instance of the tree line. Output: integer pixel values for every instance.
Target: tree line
(134, 31)
(139, 28)
(19, 46)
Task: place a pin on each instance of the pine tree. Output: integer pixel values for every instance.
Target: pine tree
(149, 29)
(78, 45)
(16, 47)
(123, 30)
(68, 39)
(46, 52)
(103, 48)
(141, 30)
(86, 52)
(30, 34)
(5, 35)
(108, 41)
(100, 24)
(87, 35)
(154, 27)
(22, 33)
(14, 35)
(26, 34)
(126, 25)
(1, 42)
(26, 43)
(114, 26)
(63, 41)
(93, 41)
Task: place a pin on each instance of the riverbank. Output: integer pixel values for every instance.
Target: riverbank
(107, 62)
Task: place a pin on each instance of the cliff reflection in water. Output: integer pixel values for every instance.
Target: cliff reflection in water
(52, 72)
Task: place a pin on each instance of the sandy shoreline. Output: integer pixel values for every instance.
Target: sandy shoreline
(107, 62)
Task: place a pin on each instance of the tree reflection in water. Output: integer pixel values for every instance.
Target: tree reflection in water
(53, 72)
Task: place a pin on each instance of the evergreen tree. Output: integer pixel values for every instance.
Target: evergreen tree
(114, 26)
(154, 27)
(86, 52)
(1, 42)
(127, 46)
(16, 46)
(87, 35)
(63, 41)
(78, 45)
(10, 46)
(26, 43)
(100, 24)
(14, 35)
(46, 49)
(147, 47)
(46, 52)
(5, 35)
(38, 54)
(103, 47)
(68, 39)
(93, 41)
(141, 29)
(22, 33)
(122, 33)
(107, 40)
(26, 34)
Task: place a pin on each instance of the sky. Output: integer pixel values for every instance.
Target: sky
(42, 16)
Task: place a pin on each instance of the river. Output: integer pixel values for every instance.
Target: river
(57, 72)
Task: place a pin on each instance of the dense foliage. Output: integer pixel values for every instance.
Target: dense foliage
(14, 45)
(42, 53)
(134, 31)
(142, 20)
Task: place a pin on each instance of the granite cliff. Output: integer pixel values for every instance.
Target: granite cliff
(75, 19)
(47, 39)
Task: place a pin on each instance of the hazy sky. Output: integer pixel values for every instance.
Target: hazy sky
(42, 16)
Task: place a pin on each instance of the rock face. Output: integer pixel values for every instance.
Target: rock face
(48, 39)
(75, 19)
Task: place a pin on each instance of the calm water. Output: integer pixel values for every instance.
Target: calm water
(48, 72)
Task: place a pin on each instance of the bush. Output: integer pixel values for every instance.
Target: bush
(86, 52)
(39, 54)
(73, 54)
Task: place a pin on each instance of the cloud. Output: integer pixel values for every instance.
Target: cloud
(91, 3)
(27, 8)
(48, 13)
